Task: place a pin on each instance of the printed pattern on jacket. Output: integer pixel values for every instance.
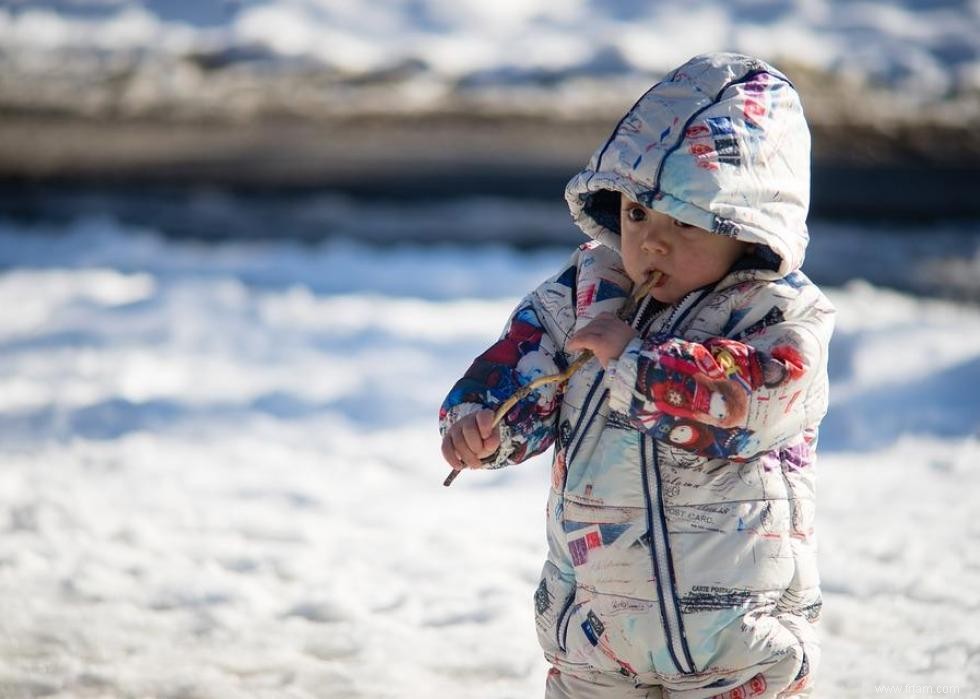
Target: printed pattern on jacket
(680, 518)
(736, 500)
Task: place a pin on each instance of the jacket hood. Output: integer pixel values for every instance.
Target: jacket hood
(722, 144)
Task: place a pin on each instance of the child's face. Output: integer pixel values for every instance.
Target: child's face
(688, 257)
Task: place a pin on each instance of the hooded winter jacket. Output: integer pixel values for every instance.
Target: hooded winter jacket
(680, 518)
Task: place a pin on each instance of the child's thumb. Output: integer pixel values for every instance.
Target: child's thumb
(484, 422)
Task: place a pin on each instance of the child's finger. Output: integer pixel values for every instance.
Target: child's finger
(469, 444)
(449, 453)
(578, 342)
(490, 444)
(484, 422)
(467, 455)
(584, 340)
(471, 434)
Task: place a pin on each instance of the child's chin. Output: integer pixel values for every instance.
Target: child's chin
(663, 296)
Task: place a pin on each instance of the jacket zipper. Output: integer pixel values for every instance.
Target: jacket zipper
(561, 630)
(578, 430)
(663, 565)
(660, 547)
(663, 569)
(580, 433)
(672, 320)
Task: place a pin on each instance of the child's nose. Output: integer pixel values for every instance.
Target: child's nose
(654, 241)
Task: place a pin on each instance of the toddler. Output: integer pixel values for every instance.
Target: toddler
(682, 558)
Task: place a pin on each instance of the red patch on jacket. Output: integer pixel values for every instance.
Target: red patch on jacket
(791, 359)
(509, 349)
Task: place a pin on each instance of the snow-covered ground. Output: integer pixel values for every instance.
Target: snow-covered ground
(931, 46)
(220, 476)
(510, 54)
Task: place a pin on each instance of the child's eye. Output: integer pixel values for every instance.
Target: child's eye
(635, 213)
(681, 224)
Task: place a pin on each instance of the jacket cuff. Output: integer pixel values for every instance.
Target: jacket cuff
(457, 413)
(501, 457)
(621, 377)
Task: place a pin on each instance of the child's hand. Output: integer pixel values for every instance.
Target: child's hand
(607, 337)
(470, 440)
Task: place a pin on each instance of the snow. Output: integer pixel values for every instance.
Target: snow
(221, 475)
(927, 48)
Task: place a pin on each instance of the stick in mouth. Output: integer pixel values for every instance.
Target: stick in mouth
(628, 309)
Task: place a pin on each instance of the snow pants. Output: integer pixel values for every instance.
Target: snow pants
(597, 685)
(562, 685)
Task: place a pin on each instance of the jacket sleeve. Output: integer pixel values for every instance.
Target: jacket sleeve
(727, 398)
(525, 351)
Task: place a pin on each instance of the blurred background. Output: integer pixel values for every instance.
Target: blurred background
(254, 119)
(246, 246)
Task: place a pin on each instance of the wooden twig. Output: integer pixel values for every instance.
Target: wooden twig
(523, 392)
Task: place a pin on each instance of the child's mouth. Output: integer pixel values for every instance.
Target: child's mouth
(660, 281)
